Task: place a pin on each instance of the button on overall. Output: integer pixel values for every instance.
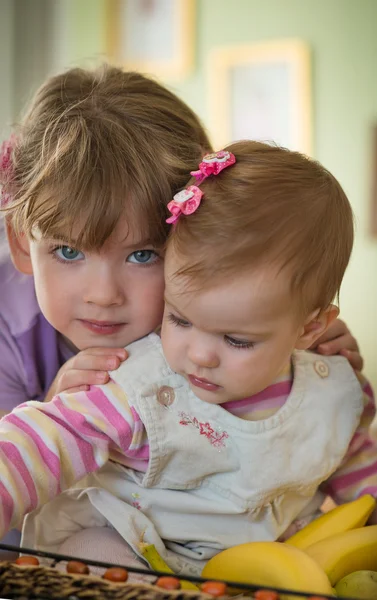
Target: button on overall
(165, 395)
(321, 368)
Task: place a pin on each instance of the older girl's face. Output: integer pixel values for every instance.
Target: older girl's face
(107, 298)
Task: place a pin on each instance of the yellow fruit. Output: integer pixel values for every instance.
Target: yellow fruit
(346, 552)
(269, 564)
(360, 584)
(342, 518)
(156, 562)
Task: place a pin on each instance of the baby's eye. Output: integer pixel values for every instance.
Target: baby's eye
(235, 343)
(143, 257)
(68, 254)
(177, 321)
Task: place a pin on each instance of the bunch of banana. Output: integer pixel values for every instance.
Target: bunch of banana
(337, 543)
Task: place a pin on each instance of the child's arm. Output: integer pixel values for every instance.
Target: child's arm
(357, 475)
(45, 448)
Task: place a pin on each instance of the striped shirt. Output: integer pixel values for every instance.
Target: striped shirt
(46, 448)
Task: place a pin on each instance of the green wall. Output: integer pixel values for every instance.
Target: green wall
(343, 38)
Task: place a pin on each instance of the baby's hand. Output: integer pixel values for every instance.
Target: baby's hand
(88, 367)
(339, 340)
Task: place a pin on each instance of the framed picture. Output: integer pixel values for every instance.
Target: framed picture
(262, 92)
(152, 36)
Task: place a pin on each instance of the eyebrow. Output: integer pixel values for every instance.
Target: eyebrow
(58, 240)
(142, 243)
(167, 301)
(73, 243)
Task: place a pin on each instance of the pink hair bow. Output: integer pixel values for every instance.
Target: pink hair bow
(185, 202)
(6, 168)
(213, 164)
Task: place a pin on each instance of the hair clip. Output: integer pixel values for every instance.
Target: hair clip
(6, 168)
(184, 203)
(187, 201)
(213, 164)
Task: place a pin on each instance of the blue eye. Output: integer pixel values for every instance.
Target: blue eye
(143, 257)
(68, 254)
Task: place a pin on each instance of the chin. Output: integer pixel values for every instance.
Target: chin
(208, 397)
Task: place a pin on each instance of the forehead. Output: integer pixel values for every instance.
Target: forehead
(125, 233)
(256, 298)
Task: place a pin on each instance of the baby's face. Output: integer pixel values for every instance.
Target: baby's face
(232, 340)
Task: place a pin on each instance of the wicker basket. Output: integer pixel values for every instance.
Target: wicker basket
(49, 583)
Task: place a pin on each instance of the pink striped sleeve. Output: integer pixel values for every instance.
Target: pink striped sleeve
(45, 448)
(357, 474)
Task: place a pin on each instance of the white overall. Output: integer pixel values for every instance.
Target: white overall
(213, 479)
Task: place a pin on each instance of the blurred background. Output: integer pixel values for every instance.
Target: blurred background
(210, 53)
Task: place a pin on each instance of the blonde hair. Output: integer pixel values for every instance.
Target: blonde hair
(273, 206)
(95, 144)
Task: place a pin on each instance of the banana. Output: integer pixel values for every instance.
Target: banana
(342, 518)
(269, 564)
(156, 562)
(360, 584)
(346, 552)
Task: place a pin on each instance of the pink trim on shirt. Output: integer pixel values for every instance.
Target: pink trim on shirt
(272, 397)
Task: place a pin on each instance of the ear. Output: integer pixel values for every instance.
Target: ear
(315, 325)
(19, 250)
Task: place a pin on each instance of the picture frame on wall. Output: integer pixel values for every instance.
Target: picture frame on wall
(152, 36)
(261, 91)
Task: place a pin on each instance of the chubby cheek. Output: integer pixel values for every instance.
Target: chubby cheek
(54, 292)
(243, 368)
(251, 370)
(54, 306)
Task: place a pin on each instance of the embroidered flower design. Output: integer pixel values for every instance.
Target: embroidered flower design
(136, 502)
(205, 429)
(216, 438)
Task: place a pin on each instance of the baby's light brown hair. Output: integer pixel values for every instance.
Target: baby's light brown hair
(95, 145)
(273, 206)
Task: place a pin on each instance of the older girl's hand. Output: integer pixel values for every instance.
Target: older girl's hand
(88, 367)
(339, 340)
